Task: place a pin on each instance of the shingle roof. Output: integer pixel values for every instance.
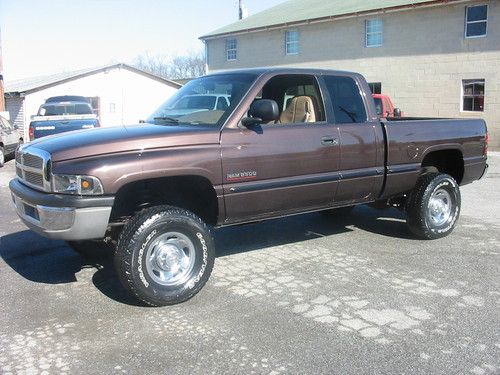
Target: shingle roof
(27, 85)
(296, 11)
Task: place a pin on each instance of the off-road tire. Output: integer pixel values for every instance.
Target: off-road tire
(2, 156)
(418, 208)
(93, 249)
(138, 238)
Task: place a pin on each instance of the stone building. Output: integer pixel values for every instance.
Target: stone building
(438, 58)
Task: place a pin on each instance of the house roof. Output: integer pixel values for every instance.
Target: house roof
(298, 11)
(29, 85)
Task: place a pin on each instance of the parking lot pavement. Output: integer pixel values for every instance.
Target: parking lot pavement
(301, 295)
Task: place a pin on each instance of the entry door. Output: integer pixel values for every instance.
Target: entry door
(279, 169)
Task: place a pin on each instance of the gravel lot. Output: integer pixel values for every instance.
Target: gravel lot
(302, 295)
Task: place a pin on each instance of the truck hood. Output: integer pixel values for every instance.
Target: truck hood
(100, 141)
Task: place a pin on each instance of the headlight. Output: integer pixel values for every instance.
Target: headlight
(82, 185)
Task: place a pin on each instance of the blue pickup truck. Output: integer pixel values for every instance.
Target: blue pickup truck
(62, 114)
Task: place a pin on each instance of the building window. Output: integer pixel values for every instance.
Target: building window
(292, 42)
(473, 95)
(112, 108)
(374, 33)
(476, 19)
(375, 87)
(231, 49)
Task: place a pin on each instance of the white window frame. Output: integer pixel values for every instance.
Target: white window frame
(231, 47)
(469, 81)
(289, 42)
(480, 21)
(381, 32)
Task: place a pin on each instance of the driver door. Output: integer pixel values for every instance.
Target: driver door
(285, 167)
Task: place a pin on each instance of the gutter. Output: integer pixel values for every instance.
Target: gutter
(429, 4)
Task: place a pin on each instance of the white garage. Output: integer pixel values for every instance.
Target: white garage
(120, 94)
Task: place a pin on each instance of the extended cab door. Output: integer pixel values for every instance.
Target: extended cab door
(361, 138)
(284, 167)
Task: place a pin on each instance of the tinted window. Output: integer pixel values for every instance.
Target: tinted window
(346, 99)
(65, 109)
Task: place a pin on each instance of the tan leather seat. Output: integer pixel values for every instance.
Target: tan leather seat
(300, 109)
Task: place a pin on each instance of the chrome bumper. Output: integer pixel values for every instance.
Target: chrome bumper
(65, 223)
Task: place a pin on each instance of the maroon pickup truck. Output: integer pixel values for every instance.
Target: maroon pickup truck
(286, 141)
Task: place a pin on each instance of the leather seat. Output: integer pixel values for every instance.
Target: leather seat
(300, 109)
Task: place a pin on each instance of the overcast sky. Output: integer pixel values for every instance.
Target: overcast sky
(41, 37)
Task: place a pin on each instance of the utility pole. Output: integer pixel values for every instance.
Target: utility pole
(2, 97)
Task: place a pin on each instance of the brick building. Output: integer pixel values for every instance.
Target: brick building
(434, 58)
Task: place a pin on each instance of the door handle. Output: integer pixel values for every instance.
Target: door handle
(329, 141)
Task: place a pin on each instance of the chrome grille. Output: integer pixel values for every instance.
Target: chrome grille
(31, 167)
(33, 178)
(32, 161)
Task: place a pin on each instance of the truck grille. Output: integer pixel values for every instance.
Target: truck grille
(31, 168)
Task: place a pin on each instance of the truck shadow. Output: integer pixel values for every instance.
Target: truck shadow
(276, 232)
(46, 261)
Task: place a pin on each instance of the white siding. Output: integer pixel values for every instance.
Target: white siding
(134, 95)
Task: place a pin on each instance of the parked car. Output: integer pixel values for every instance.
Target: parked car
(9, 139)
(385, 107)
(62, 114)
(156, 189)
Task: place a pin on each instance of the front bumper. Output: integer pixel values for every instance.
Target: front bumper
(61, 216)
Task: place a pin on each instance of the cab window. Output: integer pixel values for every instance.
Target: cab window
(298, 97)
(348, 105)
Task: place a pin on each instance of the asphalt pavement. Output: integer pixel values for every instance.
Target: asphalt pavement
(301, 295)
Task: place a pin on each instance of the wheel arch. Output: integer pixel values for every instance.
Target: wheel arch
(194, 193)
(447, 160)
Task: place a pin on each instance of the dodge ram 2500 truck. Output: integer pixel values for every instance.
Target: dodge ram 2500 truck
(290, 141)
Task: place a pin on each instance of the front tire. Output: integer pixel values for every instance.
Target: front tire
(434, 206)
(164, 255)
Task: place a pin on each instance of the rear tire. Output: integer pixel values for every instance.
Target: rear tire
(434, 206)
(2, 157)
(164, 255)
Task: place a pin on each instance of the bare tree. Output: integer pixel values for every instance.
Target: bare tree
(177, 67)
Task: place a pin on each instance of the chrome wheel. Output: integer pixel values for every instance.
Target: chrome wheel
(170, 259)
(439, 207)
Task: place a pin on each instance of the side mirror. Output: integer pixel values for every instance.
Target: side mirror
(261, 111)
(397, 112)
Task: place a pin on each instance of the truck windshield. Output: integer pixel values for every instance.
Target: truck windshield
(65, 109)
(195, 103)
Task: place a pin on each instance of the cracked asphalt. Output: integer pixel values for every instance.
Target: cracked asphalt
(301, 295)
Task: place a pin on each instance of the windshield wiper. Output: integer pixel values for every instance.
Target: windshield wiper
(165, 118)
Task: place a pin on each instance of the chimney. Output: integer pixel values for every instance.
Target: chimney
(243, 12)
